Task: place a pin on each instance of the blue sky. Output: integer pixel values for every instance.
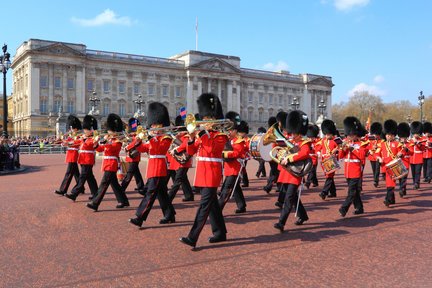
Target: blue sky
(382, 46)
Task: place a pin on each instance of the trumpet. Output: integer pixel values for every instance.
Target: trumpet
(222, 125)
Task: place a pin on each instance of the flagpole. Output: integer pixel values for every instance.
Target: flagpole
(196, 34)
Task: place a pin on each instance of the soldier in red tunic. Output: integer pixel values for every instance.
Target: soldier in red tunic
(312, 134)
(233, 155)
(72, 145)
(133, 157)
(274, 171)
(296, 125)
(375, 142)
(281, 117)
(418, 146)
(388, 151)
(86, 159)
(243, 131)
(181, 177)
(111, 146)
(209, 145)
(403, 132)
(427, 154)
(354, 154)
(156, 147)
(328, 149)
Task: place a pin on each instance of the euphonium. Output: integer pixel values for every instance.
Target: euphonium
(221, 125)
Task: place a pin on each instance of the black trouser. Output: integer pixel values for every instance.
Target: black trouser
(227, 188)
(375, 170)
(416, 173)
(427, 168)
(71, 171)
(245, 177)
(312, 176)
(156, 187)
(133, 171)
(390, 196)
(170, 175)
(403, 184)
(209, 207)
(261, 168)
(353, 196)
(274, 174)
(85, 175)
(181, 179)
(329, 187)
(110, 178)
(290, 202)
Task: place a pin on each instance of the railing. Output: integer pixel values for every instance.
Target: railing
(46, 149)
(279, 75)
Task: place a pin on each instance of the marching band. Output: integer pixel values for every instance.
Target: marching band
(291, 145)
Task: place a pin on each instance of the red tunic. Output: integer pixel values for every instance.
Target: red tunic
(428, 149)
(87, 152)
(314, 150)
(372, 148)
(72, 149)
(157, 148)
(209, 147)
(304, 150)
(407, 151)
(135, 143)
(388, 152)
(111, 155)
(353, 159)
(418, 148)
(239, 152)
(181, 148)
(327, 147)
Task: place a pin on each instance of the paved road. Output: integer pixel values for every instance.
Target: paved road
(49, 241)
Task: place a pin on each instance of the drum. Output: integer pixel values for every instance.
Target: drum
(122, 170)
(330, 164)
(396, 169)
(257, 148)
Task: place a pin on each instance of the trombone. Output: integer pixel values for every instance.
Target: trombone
(222, 125)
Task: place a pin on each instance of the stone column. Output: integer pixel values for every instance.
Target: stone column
(208, 85)
(80, 90)
(199, 92)
(238, 99)
(64, 89)
(219, 88)
(229, 96)
(50, 85)
(329, 105)
(305, 104)
(189, 96)
(34, 90)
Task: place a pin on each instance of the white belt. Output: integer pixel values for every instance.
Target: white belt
(418, 152)
(157, 156)
(72, 149)
(352, 160)
(110, 157)
(87, 151)
(209, 159)
(312, 154)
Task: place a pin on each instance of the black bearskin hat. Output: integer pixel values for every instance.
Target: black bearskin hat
(272, 120)
(416, 127)
(179, 121)
(281, 118)
(352, 126)
(114, 123)
(157, 113)
(74, 122)
(328, 127)
(197, 117)
(262, 130)
(376, 128)
(297, 122)
(390, 127)
(90, 123)
(313, 131)
(133, 124)
(362, 132)
(403, 130)
(234, 117)
(427, 127)
(243, 127)
(209, 105)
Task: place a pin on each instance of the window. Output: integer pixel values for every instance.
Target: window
(165, 90)
(122, 109)
(270, 98)
(70, 108)
(70, 83)
(90, 85)
(280, 99)
(57, 82)
(178, 91)
(44, 81)
(43, 105)
(136, 88)
(106, 108)
(261, 98)
(250, 97)
(122, 86)
(151, 89)
(260, 115)
(106, 86)
(250, 113)
(57, 105)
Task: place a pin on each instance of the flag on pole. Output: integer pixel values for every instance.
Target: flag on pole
(368, 122)
(183, 112)
(196, 34)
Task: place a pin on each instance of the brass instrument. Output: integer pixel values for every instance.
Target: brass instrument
(181, 157)
(222, 125)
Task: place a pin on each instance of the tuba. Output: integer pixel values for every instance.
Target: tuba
(278, 153)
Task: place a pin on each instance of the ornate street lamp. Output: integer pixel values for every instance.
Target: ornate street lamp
(421, 102)
(295, 104)
(94, 100)
(5, 64)
(139, 102)
(322, 106)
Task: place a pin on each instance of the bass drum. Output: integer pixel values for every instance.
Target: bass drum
(258, 150)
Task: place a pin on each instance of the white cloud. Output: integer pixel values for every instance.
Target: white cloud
(363, 87)
(106, 17)
(345, 5)
(378, 79)
(280, 65)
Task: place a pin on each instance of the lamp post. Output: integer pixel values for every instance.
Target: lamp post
(295, 104)
(421, 98)
(139, 102)
(4, 67)
(322, 106)
(94, 100)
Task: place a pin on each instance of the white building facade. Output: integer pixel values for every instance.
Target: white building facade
(50, 75)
